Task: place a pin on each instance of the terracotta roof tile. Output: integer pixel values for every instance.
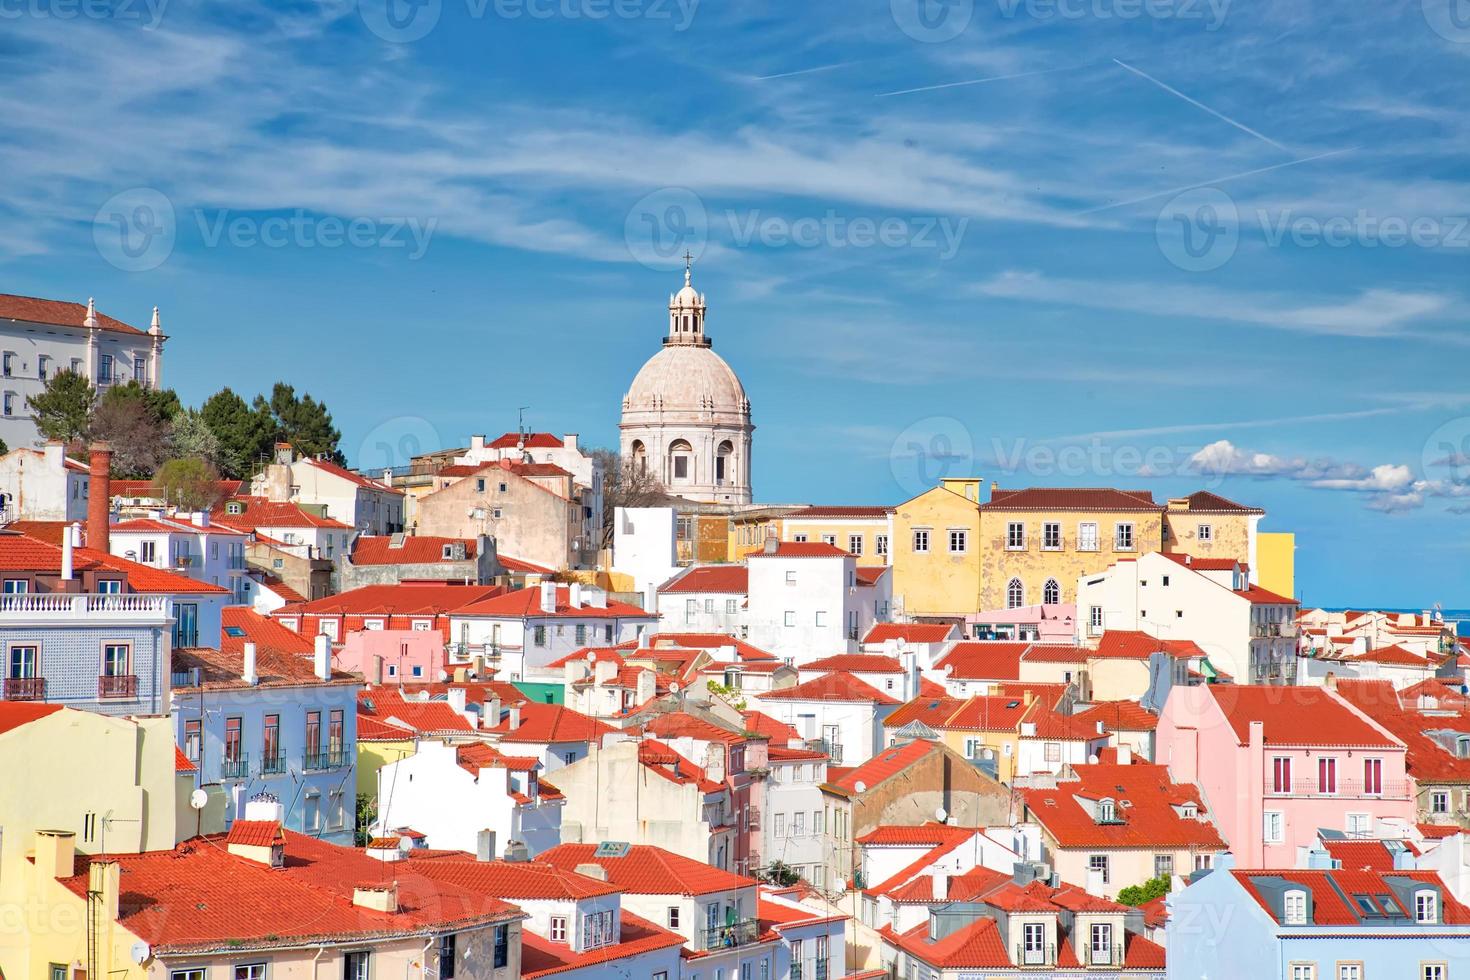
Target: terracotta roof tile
(1296, 716)
(14, 714)
(834, 686)
(548, 723)
(800, 549)
(731, 579)
(1136, 645)
(388, 707)
(1328, 907)
(260, 512)
(838, 511)
(394, 600)
(412, 550)
(526, 604)
(885, 765)
(862, 663)
(541, 957)
(58, 313)
(649, 870)
(910, 632)
(1072, 498)
(984, 660)
(1144, 812)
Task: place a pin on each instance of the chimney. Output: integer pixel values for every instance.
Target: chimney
(1125, 756)
(283, 454)
(994, 486)
(456, 697)
(67, 559)
(548, 597)
(604, 671)
(55, 852)
(515, 717)
(591, 869)
(377, 674)
(941, 885)
(99, 499)
(55, 455)
(570, 441)
(645, 687)
(485, 845)
(910, 661)
(574, 595)
(771, 545)
(477, 443)
(103, 881)
(247, 670)
(201, 518)
(492, 711)
(378, 897)
(323, 657)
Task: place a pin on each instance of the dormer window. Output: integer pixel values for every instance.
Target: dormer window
(1462, 746)
(1190, 812)
(1107, 811)
(1426, 906)
(235, 507)
(1296, 908)
(448, 552)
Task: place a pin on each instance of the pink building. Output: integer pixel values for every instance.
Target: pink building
(1275, 764)
(402, 656)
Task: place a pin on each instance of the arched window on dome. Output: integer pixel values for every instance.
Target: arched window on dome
(640, 456)
(725, 463)
(681, 462)
(1051, 592)
(1015, 594)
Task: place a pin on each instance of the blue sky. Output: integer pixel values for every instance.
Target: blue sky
(1164, 244)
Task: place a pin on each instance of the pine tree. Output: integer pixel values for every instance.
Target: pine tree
(64, 409)
(305, 423)
(245, 433)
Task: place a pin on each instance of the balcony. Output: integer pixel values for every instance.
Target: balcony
(40, 608)
(732, 935)
(753, 816)
(1035, 955)
(25, 688)
(119, 686)
(236, 768)
(185, 678)
(1261, 631)
(273, 765)
(332, 758)
(832, 749)
(1387, 789)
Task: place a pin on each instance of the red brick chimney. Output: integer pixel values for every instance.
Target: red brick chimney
(99, 498)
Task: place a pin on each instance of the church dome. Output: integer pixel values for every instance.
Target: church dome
(687, 378)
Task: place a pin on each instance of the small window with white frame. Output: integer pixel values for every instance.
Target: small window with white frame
(1205, 533)
(1123, 536)
(959, 541)
(1087, 536)
(1016, 536)
(1303, 971)
(1294, 909)
(921, 541)
(1426, 907)
(880, 545)
(1051, 536)
(855, 544)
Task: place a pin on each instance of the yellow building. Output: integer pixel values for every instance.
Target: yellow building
(1276, 562)
(1206, 525)
(935, 551)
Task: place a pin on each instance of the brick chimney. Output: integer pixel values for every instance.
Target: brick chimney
(99, 498)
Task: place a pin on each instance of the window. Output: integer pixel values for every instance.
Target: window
(1426, 907)
(558, 928)
(1326, 775)
(1107, 811)
(607, 629)
(1095, 617)
(582, 629)
(1099, 863)
(193, 739)
(830, 539)
(104, 374)
(597, 929)
(1102, 942)
(1053, 751)
(1051, 536)
(116, 659)
(1206, 533)
(43, 366)
(1349, 971)
(779, 826)
(958, 542)
(335, 729)
(821, 618)
(673, 917)
(921, 542)
(1087, 537)
(501, 955)
(113, 586)
(1033, 942)
(1123, 536)
(1015, 594)
(1304, 971)
(186, 624)
(731, 607)
(791, 578)
(1434, 971)
(1163, 865)
(538, 636)
(1015, 536)
(446, 957)
(799, 538)
(1439, 801)
(880, 544)
(1051, 592)
(22, 663)
(1271, 827)
(1372, 777)
(1295, 908)
(1281, 774)
(855, 544)
(198, 973)
(790, 617)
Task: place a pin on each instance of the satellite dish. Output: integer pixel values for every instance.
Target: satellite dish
(198, 800)
(140, 952)
(987, 754)
(861, 786)
(941, 814)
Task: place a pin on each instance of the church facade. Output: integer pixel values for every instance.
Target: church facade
(685, 417)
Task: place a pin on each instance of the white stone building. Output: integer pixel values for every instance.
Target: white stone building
(809, 600)
(42, 485)
(685, 417)
(544, 447)
(41, 337)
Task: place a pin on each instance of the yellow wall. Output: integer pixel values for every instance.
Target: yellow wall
(841, 530)
(1229, 534)
(372, 756)
(1033, 565)
(1005, 758)
(937, 583)
(1276, 556)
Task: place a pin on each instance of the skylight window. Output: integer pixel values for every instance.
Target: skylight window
(234, 631)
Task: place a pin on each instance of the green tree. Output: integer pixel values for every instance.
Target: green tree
(779, 873)
(245, 433)
(1136, 895)
(367, 812)
(191, 437)
(188, 483)
(64, 408)
(138, 437)
(305, 423)
(162, 403)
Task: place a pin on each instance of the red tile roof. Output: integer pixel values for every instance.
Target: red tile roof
(649, 870)
(521, 566)
(1072, 498)
(474, 756)
(182, 762)
(910, 632)
(384, 704)
(526, 604)
(1199, 564)
(835, 686)
(870, 574)
(1056, 653)
(1144, 798)
(153, 525)
(800, 549)
(1265, 597)
(256, 833)
(1394, 655)
(264, 632)
(978, 945)
(189, 899)
(837, 511)
(412, 550)
(707, 641)
(733, 579)
(14, 714)
(984, 660)
(549, 723)
(1410, 718)
(1296, 716)
(394, 600)
(220, 670)
(1136, 645)
(532, 440)
(260, 512)
(931, 833)
(1363, 855)
(1205, 502)
(862, 663)
(542, 957)
(365, 482)
(1329, 906)
(778, 732)
(883, 766)
(57, 313)
(19, 552)
(1118, 716)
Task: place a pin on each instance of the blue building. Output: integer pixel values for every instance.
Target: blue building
(267, 714)
(1317, 924)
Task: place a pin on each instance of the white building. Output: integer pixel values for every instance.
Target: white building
(793, 826)
(41, 337)
(42, 485)
(705, 599)
(809, 600)
(286, 526)
(367, 505)
(543, 447)
(645, 546)
(189, 545)
(450, 793)
(685, 417)
(836, 708)
(1245, 630)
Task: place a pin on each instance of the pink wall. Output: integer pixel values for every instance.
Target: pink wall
(400, 649)
(1198, 744)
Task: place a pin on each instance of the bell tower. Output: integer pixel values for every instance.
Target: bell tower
(686, 313)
